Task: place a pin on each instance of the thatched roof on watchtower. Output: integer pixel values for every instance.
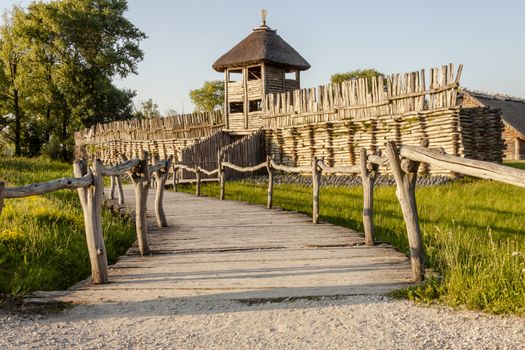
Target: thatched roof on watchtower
(262, 45)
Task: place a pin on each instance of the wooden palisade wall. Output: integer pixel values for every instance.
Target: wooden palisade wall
(203, 153)
(159, 136)
(331, 122)
(334, 121)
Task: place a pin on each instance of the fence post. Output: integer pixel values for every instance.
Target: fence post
(368, 177)
(2, 188)
(221, 176)
(269, 203)
(120, 191)
(198, 185)
(141, 184)
(91, 202)
(405, 174)
(95, 204)
(111, 194)
(316, 186)
(175, 172)
(161, 176)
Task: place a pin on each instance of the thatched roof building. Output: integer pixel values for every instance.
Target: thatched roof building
(262, 63)
(263, 45)
(513, 116)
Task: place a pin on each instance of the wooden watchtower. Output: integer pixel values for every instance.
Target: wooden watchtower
(261, 63)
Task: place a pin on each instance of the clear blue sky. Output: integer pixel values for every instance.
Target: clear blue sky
(186, 37)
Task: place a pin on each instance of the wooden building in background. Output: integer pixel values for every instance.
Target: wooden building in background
(512, 114)
(261, 63)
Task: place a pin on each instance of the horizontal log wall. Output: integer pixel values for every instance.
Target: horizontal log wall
(514, 145)
(236, 91)
(292, 85)
(472, 133)
(481, 134)
(255, 120)
(274, 79)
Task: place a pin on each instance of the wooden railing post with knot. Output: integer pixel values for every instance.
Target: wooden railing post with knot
(269, 202)
(198, 184)
(368, 177)
(91, 199)
(222, 176)
(141, 181)
(316, 189)
(175, 177)
(116, 184)
(160, 170)
(405, 175)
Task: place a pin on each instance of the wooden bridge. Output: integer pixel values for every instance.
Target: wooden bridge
(221, 249)
(234, 250)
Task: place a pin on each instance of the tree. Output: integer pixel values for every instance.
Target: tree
(148, 109)
(209, 97)
(72, 50)
(368, 73)
(170, 112)
(11, 82)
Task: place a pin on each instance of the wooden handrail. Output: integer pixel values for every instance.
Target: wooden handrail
(379, 160)
(185, 167)
(49, 186)
(121, 168)
(471, 167)
(209, 172)
(157, 166)
(353, 169)
(290, 169)
(244, 169)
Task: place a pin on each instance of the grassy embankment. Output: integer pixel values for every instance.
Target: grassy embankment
(473, 234)
(42, 242)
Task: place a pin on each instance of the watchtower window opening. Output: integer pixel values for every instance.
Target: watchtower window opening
(254, 73)
(236, 107)
(291, 75)
(255, 105)
(235, 75)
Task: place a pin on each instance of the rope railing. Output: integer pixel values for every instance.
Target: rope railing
(244, 169)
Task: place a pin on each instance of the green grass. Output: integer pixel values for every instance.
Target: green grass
(473, 234)
(42, 238)
(516, 164)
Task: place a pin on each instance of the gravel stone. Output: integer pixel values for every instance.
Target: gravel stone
(352, 322)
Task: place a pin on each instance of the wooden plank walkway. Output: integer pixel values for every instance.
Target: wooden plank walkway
(234, 250)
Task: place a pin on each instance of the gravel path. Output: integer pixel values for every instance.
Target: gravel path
(354, 322)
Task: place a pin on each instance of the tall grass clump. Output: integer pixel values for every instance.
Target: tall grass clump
(42, 238)
(472, 232)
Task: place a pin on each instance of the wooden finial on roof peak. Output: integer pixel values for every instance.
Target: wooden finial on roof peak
(264, 13)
